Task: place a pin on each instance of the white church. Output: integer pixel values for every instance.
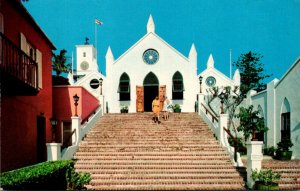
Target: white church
(151, 67)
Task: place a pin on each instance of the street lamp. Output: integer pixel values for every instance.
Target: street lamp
(53, 122)
(222, 97)
(100, 80)
(254, 121)
(76, 98)
(200, 80)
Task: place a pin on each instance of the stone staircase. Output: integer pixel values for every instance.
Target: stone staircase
(289, 170)
(131, 152)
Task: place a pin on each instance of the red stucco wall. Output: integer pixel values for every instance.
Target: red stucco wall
(63, 104)
(19, 113)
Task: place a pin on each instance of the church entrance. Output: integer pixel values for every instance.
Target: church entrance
(146, 94)
(150, 92)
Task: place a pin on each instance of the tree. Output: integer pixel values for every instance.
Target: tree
(59, 64)
(248, 125)
(251, 71)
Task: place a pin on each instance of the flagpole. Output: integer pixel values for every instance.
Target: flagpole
(230, 64)
(95, 37)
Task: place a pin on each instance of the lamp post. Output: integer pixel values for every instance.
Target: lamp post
(254, 121)
(222, 96)
(76, 98)
(200, 80)
(53, 122)
(100, 80)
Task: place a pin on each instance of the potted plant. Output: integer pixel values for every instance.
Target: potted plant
(265, 179)
(176, 108)
(283, 151)
(250, 123)
(124, 109)
(269, 151)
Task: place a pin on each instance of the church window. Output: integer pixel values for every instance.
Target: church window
(210, 81)
(124, 87)
(285, 120)
(177, 87)
(84, 54)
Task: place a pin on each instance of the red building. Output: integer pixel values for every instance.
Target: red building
(26, 87)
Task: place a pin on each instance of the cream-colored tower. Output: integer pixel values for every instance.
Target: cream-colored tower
(86, 59)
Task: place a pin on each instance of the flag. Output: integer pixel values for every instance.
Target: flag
(98, 22)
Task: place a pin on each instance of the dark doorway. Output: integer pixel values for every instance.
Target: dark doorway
(41, 138)
(150, 92)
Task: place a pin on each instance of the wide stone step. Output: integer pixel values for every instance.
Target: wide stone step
(153, 162)
(112, 158)
(168, 182)
(150, 154)
(164, 177)
(169, 187)
(216, 172)
(202, 167)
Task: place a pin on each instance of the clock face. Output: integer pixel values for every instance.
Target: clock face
(84, 65)
(211, 81)
(150, 56)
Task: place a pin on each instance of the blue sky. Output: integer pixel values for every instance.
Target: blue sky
(268, 27)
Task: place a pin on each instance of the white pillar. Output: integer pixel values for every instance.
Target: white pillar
(102, 103)
(254, 158)
(223, 122)
(75, 126)
(200, 101)
(53, 151)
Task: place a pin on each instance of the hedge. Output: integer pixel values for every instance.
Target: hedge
(49, 175)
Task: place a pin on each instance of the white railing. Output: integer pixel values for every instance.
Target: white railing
(80, 132)
(217, 125)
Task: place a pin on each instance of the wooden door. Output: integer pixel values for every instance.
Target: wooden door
(162, 93)
(139, 99)
(41, 139)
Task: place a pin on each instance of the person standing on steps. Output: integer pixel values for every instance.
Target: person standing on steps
(166, 108)
(156, 109)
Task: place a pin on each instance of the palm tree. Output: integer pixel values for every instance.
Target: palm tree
(59, 64)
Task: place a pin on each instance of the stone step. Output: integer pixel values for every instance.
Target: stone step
(154, 153)
(164, 177)
(112, 158)
(168, 182)
(159, 171)
(153, 162)
(202, 167)
(169, 187)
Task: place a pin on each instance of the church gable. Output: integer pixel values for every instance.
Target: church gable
(151, 41)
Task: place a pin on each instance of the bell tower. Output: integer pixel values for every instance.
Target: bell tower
(86, 58)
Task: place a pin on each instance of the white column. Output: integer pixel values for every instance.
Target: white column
(223, 122)
(75, 126)
(254, 158)
(102, 103)
(200, 101)
(53, 151)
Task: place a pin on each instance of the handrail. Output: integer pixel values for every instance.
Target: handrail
(235, 143)
(86, 119)
(214, 118)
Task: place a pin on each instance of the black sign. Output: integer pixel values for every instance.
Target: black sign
(94, 83)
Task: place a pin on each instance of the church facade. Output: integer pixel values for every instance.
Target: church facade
(152, 67)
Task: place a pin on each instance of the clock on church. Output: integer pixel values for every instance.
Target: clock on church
(84, 65)
(150, 56)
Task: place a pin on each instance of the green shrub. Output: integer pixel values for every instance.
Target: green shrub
(77, 180)
(267, 177)
(269, 151)
(51, 175)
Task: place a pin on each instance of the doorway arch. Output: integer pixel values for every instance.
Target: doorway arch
(151, 85)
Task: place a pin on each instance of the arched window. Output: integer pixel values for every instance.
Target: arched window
(261, 136)
(124, 87)
(285, 120)
(177, 86)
